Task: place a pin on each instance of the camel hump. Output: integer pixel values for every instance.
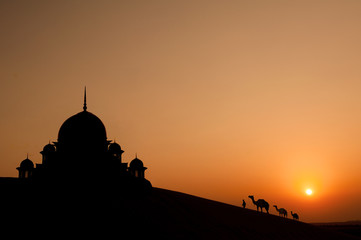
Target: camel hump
(263, 201)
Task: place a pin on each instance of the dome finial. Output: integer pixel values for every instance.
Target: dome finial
(84, 107)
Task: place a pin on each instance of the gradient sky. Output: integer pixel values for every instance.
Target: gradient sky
(220, 99)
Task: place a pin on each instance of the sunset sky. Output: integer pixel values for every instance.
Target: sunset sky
(220, 99)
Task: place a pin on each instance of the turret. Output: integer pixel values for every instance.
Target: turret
(136, 168)
(26, 168)
(115, 151)
(48, 153)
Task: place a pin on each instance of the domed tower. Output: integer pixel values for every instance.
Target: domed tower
(26, 168)
(115, 151)
(136, 168)
(82, 143)
(48, 153)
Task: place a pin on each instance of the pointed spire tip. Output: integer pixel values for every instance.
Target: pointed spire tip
(84, 106)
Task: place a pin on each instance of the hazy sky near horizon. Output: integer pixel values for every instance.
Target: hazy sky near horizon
(220, 99)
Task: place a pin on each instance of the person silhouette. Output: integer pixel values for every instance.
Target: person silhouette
(243, 204)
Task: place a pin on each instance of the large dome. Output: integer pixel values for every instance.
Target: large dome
(82, 129)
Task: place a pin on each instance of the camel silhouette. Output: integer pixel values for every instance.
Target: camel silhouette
(295, 216)
(281, 211)
(260, 203)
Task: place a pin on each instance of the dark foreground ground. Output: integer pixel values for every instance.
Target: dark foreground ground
(351, 227)
(162, 214)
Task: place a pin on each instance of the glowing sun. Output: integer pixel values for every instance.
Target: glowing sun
(309, 191)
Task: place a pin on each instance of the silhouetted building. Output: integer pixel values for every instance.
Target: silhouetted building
(83, 158)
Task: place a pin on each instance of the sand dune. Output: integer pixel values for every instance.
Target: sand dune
(163, 214)
(174, 215)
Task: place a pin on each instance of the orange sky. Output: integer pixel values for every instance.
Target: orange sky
(220, 99)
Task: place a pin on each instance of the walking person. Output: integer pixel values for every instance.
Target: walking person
(243, 204)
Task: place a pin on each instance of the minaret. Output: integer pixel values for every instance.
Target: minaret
(84, 107)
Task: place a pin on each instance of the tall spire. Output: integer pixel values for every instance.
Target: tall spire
(84, 107)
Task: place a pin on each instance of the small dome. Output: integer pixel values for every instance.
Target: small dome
(115, 148)
(136, 163)
(49, 148)
(27, 164)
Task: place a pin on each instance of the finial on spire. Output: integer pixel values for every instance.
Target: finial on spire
(27, 155)
(84, 107)
(136, 155)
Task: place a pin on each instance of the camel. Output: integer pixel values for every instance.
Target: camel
(260, 203)
(295, 216)
(281, 211)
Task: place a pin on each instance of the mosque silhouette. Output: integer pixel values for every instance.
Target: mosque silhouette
(82, 164)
